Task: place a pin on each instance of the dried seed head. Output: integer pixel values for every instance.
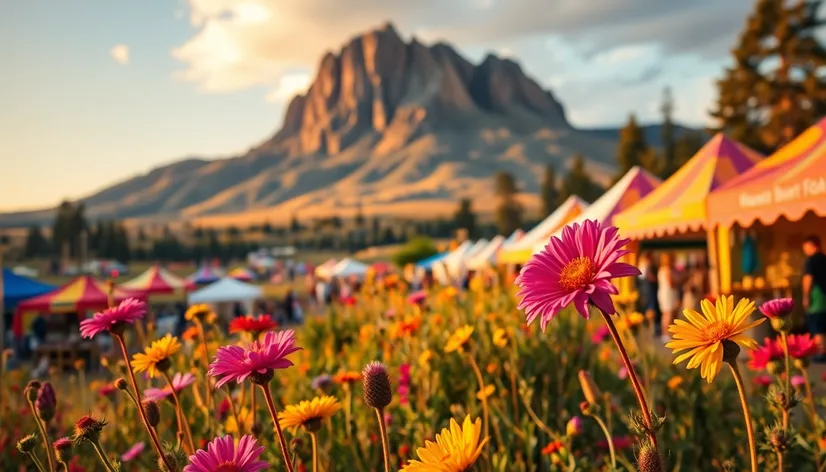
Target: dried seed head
(88, 428)
(378, 393)
(296, 444)
(649, 460)
(27, 443)
(120, 383)
(63, 449)
(31, 390)
(152, 412)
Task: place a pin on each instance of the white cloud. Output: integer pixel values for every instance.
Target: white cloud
(289, 85)
(120, 53)
(625, 54)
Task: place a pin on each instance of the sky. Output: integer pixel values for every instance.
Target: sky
(93, 92)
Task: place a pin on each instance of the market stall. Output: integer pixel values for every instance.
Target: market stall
(205, 275)
(242, 273)
(157, 280)
(762, 216)
(17, 288)
(673, 216)
(633, 186)
(520, 251)
(349, 268)
(226, 292)
(487, 255)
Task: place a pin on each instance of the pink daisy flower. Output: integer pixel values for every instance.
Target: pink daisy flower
(259, 358)
(179, 381)
(417, 298)
(127, 312)
(766, 353)
(777, 308)
(798, 381)
(801, 346)
(600, 334)
(133, 452)
(222, 454)
(763, 380)
(577, 269)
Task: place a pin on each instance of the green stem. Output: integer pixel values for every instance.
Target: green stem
(314, 439)
(138, 403)
(283, 442)
(384, 444)
(235, 409)
(102, 455)
(607, 438)
(37, 462)
(738, 379)
(41, 425)
(184, 424)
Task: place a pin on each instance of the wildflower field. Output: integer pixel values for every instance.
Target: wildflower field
(440, 381)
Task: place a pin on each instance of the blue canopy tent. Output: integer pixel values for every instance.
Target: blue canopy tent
(428, 262)
(17, 288)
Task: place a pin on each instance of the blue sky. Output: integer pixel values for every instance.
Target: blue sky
(97, 91)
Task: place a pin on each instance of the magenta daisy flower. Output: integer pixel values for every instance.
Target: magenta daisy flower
(179, 381)
(112, 319)
(133, 452)
(577, 269)
(777, 308)
(258, 360)
(802, 346)
(223, 455)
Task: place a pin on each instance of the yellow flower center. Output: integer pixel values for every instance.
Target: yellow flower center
(577, 273)
(716, 332)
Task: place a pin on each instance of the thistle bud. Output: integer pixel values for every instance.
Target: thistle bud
(88, 428)
(296, 444)
(574, 426)
(120, 383)
(589, 388)
(172, 462)
(779, 440)
(27, 443)
(378, 393)
(152, 412)
(46, 402)
(63, 450)
(649, 460)
(31, 390)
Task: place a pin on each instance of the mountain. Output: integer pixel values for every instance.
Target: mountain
(388, 125)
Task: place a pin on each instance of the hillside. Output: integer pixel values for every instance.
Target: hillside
(396, 127)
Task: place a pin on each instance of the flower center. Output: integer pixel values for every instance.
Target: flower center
(577, 273)
(716, 331)
(228, 466)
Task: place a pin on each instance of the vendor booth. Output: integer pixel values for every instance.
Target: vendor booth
(763, 216)
(242, 273)
(17, 288)
(157, 280)
(519, 252)
(673, 216)
(347, 267)
(227, 291)
(205, 275)
(487, 255)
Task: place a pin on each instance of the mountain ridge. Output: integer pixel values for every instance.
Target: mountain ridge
(384, 123)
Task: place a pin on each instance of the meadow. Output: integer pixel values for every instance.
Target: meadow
(511, 396)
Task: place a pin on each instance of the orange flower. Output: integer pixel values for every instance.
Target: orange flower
(347, 377)
(304, 367)
(190, 334)
(491, 368)
(553, 447)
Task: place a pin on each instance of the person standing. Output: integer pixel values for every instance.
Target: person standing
(648, 288)
(814, 290)
(668, 293)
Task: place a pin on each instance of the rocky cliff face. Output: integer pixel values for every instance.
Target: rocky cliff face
(385, 124)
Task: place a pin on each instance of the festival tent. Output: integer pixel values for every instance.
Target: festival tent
(441, 269)
(428, 262)
(789, 183)
(381, 267)
(156, 279)
(679, 204)
(242, 274)
(205, 275)
(324, 270)
(81, 294)
(457, 267)
(348, 267)
(487, 255)
(226, 290)
(519, 252)
(514, 238)
(17, 287)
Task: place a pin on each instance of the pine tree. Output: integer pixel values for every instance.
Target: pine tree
(775, 89)
(508, 209)
(359, 220)
(633, 149)
(549, 192)
(465, 217)
(668, 160)
(578, 182)
(36, 244)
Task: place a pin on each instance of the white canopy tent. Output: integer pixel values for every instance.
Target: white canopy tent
(441, 268)
(541, 232)
(487, 255)
(324, 271)
(349, 268)
(226, 291)
(458, 266)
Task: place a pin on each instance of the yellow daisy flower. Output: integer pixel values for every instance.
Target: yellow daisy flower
(500, 337)
(636, 318)
(675, 382)
(703, 335)
(455, 449)
(200, 312)
(424, 358)
(309, 414)
(459, 339)
(155, 358)
(485, 392)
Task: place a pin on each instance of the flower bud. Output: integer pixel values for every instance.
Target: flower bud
(296, 444)
(63, 450)
(574, 426)
(27, 443)
(730, 351)
(378, 393)
(589, 388)
(88, 428)
(46, 402)
(779, 440)
(31, 390)
(649, 460)
(172, 462)
(152, 412)
(120, 383)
